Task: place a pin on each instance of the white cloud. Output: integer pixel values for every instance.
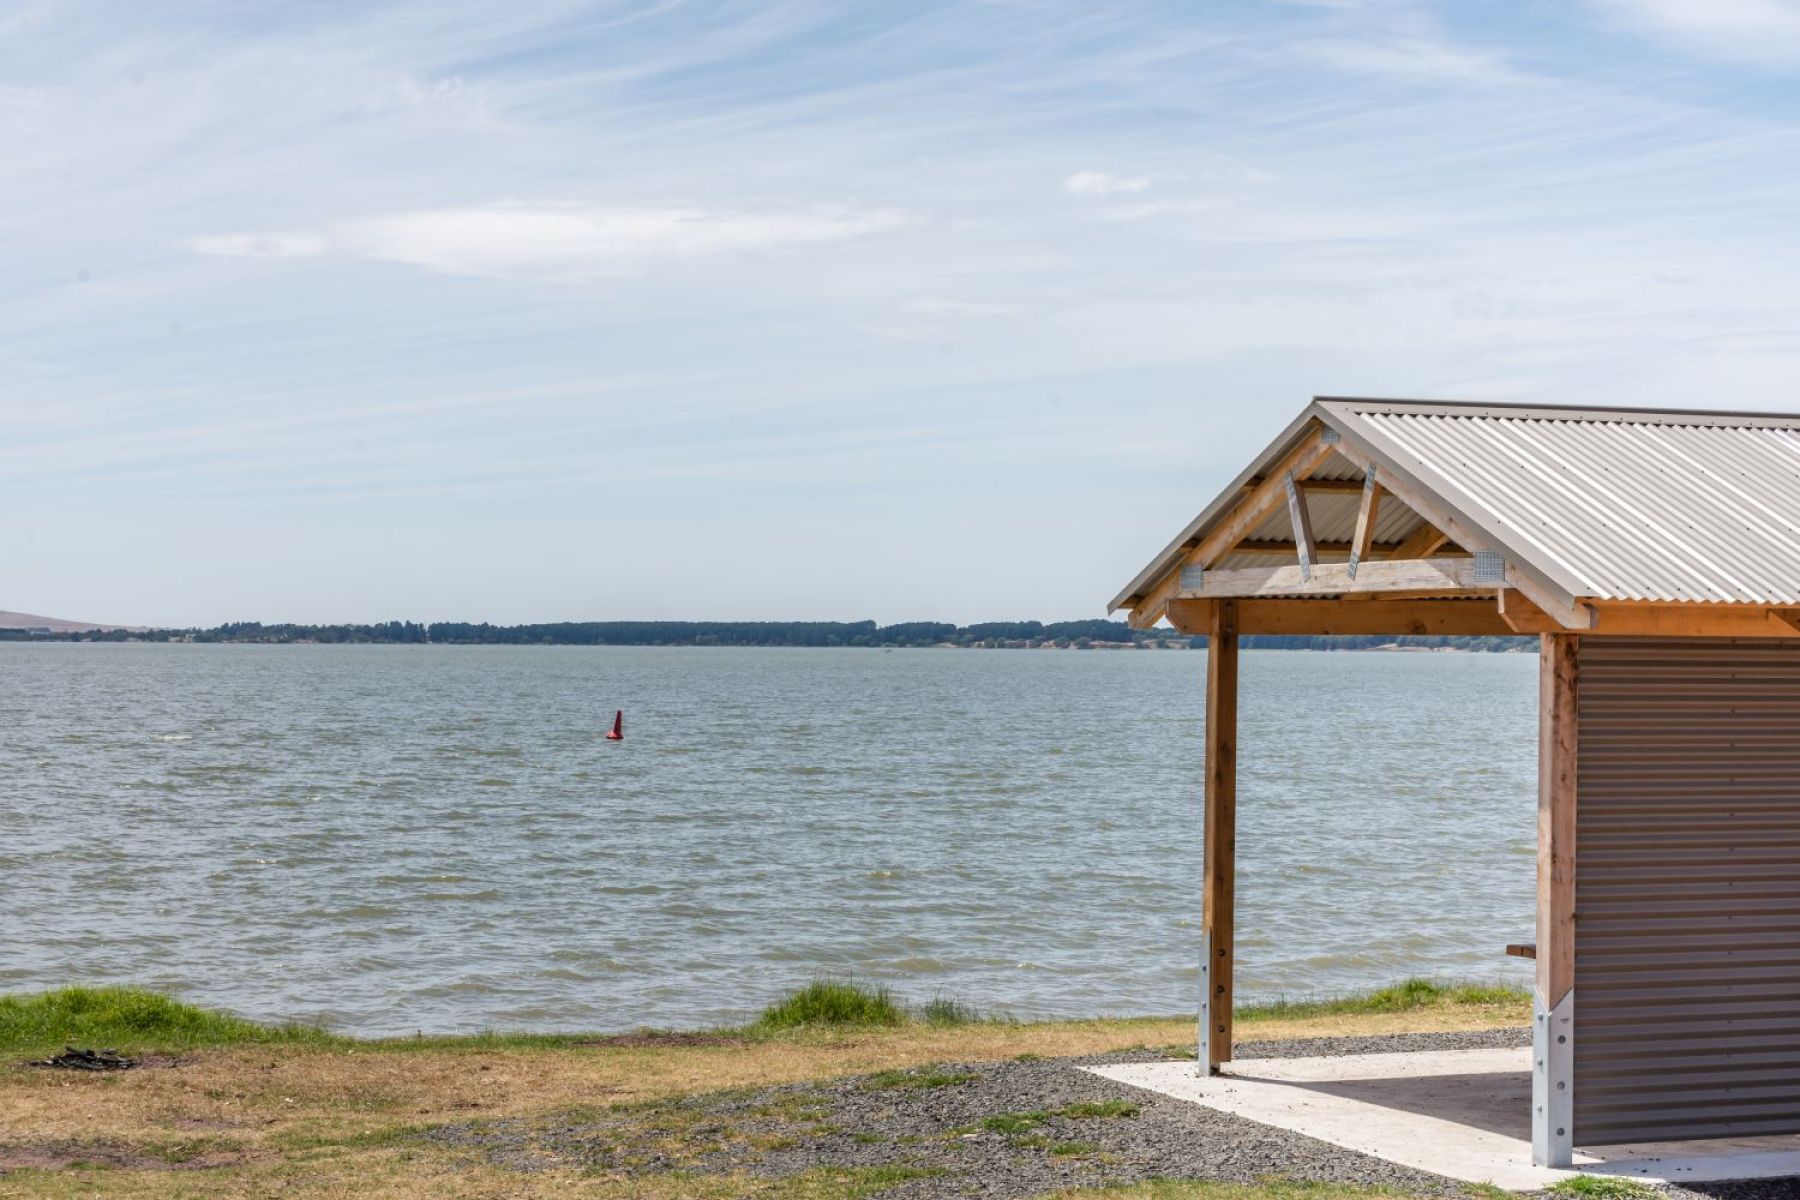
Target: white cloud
(1099, 183)
(259, 245)
(504, 240)
(1753, 30)
(949, 306)
(1411, 58)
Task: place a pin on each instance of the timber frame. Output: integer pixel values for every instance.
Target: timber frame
(1407, 561)
(1446, 577)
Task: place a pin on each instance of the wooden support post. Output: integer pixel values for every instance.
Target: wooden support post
(1220, 838)
(1553, 999)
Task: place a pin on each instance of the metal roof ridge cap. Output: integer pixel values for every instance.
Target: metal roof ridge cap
(1378, 446)
(1538, 410)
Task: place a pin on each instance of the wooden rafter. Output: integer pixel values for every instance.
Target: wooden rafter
(1367, 512)
(1422, 542)
(1301, 518)
(1521, 615)
(1256, 503)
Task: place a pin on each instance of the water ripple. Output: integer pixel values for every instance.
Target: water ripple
(403, 838)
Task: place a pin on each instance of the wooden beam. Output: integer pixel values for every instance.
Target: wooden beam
(1316, 485)
(1478, 615)
(1281, 548)
(1408, 618)
(1367, 512)
(1422, 542)
(1690, 620)
(1301, 518)
(1219, 851)
(1428, 576)
(1522, 616)
(1256, 504)
(1553, 1026)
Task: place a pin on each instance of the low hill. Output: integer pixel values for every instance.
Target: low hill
(17, 620)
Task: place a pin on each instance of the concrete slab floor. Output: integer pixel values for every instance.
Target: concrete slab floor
(1465, 1114)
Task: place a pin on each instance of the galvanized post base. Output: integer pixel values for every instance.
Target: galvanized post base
(1202, 1066)
(1553, 1081)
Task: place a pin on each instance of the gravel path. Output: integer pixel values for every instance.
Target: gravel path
(1006, 1131)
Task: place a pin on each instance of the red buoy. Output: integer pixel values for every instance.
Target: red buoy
(618, 729)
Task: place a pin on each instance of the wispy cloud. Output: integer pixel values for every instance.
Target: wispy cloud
(1101, 183)
(1411, 58)
(1743, 30)
(534, 240)
(260, 245)
(351, 281)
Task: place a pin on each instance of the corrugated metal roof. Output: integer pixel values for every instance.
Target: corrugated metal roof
(1649, 506)
(1596, 503)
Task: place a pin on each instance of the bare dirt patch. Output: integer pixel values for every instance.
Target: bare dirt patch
(117, 1156)
(650, 1039)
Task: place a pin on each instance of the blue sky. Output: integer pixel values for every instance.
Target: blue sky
(543, 310)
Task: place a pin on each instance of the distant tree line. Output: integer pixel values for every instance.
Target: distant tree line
(988, 634)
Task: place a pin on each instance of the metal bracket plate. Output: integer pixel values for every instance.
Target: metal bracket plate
(1203, 1034)
(1553, 1081)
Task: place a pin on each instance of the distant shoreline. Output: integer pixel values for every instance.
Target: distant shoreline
(917, 635)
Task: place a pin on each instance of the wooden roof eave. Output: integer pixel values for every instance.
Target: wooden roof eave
(1171, 557)
(1149, 594)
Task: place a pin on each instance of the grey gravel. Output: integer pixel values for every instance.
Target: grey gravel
(947, 1131)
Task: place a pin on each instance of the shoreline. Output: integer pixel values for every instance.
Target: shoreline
(1250, 642)
(817, 1110)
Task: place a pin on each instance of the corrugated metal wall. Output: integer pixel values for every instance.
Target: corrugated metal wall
(1687, 890)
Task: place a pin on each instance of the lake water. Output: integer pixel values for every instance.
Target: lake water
(394, 838)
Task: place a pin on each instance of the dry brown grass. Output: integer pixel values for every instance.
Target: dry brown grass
(306, 1121)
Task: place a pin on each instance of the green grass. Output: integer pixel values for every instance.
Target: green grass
(134, 1020)
(1604, 1187)
(1404, 996)
(918, 1080)
(1019, 1122)
(833, 1002)
(1095, 1109)
(129, 1019)
(943, 1011)
(1070, 1149)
